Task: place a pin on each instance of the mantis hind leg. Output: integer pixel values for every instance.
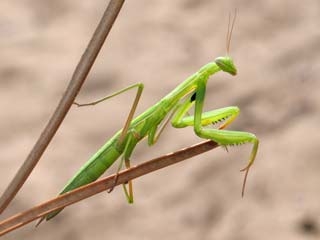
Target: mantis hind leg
(124, 133)
(128, 192)
(131, 142)
(140, 87)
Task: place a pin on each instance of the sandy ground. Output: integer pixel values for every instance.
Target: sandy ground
(276, 48)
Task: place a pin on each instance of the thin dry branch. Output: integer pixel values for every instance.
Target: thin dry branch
(91, 189)
(77, 80)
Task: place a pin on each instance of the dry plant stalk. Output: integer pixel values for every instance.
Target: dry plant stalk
(91, 189)
(77, 80)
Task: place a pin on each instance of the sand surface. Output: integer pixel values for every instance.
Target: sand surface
(276, 47)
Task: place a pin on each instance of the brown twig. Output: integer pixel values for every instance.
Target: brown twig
(71, 92)
(91, 189)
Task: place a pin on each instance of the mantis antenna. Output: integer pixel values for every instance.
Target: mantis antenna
(230, 29)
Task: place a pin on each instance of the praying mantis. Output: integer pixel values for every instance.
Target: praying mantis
(151, 123)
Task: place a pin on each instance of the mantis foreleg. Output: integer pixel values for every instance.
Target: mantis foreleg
(222, 137)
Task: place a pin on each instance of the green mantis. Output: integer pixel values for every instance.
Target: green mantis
(150, 124)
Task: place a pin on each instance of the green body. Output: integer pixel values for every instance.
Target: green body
(189, 93)
(144, 124)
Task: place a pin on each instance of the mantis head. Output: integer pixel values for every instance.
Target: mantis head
(226, 64)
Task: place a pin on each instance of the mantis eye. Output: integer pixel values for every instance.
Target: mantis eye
(226, 65)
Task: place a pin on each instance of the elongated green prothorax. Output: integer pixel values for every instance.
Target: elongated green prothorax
(175, 107)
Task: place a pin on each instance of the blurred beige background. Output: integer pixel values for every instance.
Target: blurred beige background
(275, 46)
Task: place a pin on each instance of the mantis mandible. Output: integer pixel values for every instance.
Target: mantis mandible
(151, 123)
